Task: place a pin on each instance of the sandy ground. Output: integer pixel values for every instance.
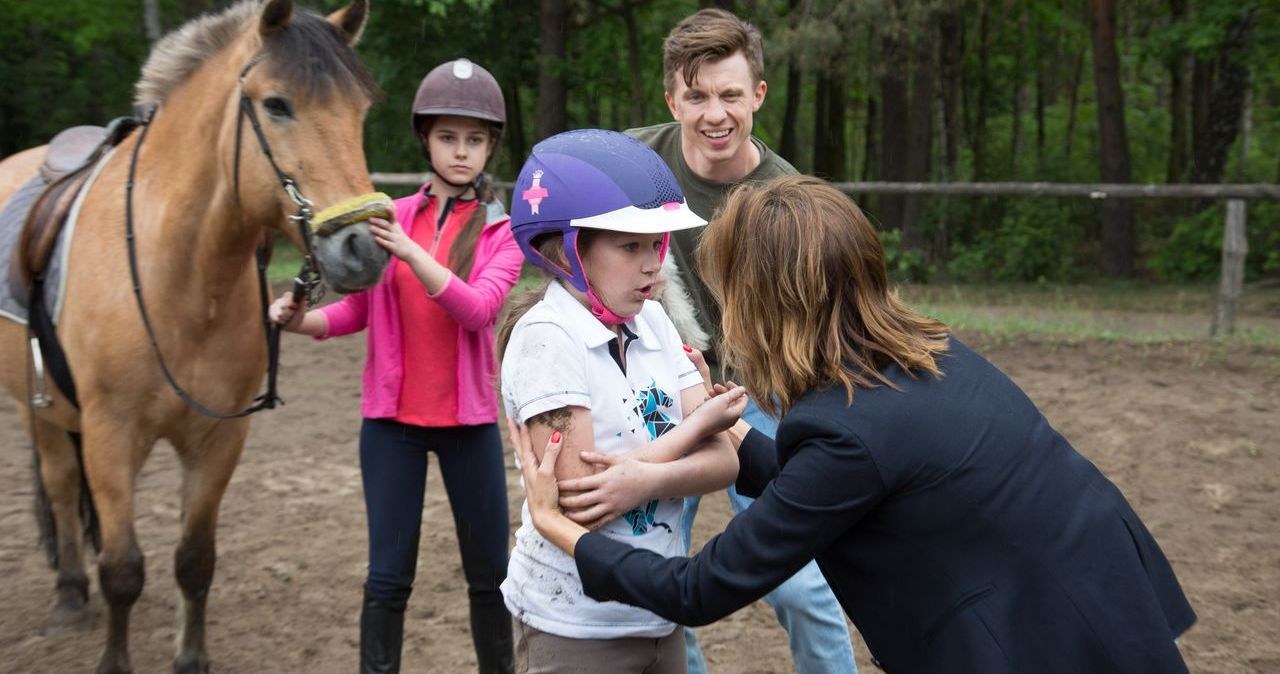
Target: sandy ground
(1191, 433)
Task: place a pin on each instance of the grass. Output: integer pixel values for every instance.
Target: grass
(1130, 312)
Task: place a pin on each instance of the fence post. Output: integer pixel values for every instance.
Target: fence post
(1235, 246)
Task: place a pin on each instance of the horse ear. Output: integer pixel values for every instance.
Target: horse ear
(276, 15)
(351, 20)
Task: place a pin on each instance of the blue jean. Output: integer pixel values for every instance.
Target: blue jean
(805, 605)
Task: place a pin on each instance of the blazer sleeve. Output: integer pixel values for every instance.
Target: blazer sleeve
(757, 464)
(475, 305)
(827, 485)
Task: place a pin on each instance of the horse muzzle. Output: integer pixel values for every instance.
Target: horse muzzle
(344, 249)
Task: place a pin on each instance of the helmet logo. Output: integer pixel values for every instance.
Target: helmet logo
(536, 192)
(462, 69)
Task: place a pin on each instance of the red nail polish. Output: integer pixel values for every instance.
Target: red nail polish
(555, 436)
(688, 348)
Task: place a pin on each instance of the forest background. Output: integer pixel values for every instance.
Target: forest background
(1159, 91)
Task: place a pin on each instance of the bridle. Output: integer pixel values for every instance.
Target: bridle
(306, 285)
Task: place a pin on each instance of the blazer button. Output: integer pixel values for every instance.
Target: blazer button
(876, 662)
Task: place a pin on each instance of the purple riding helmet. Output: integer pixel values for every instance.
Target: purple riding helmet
(595, 179)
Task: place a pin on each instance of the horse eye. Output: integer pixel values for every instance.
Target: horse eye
(278, 107)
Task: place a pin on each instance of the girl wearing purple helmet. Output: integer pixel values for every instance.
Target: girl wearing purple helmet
(592, 361)
(429, 375)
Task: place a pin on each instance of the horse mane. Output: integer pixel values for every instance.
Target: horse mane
(309, 52)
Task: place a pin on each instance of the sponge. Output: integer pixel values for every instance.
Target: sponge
(355, 209)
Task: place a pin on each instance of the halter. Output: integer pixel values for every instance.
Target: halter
(307, 280)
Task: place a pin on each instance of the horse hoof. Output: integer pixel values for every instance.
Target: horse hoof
(196, 664)
(67, 618)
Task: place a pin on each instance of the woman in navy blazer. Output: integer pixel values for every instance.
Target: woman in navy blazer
(960, 532)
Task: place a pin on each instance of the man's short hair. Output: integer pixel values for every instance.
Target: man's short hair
(708, 36)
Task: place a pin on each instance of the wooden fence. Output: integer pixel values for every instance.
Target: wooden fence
(1234, 242)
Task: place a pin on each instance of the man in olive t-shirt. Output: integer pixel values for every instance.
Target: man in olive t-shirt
(713, 71)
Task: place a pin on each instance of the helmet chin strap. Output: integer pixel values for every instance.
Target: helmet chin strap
(602, 313)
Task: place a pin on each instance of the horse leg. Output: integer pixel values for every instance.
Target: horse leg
(60, 474)
(208, 462)
(113, 454)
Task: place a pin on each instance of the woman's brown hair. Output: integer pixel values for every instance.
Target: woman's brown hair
(799, 273)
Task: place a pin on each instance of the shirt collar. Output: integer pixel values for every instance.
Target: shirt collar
(588, 328)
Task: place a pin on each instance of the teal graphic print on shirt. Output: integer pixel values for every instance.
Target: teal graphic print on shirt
(651, 403)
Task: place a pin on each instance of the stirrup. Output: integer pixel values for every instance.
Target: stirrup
(39, 398)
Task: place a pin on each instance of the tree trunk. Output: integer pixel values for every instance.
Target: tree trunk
(151, 20)
(789, 148)
(1178, 102)
(820, 112)
(984, 83)
(871, 145)
(1077, 74)
(1202, 77)
(950, 37)
(1227, 102)
(920, 133)
(633, 65)
(1117, 214)
(1019, 86)
(552, 115)
(837, 103)
(894, 109)
(514, 130)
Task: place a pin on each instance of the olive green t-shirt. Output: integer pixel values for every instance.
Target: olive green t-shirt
(704, 197)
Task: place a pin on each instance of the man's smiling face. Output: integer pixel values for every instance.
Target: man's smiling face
(715, 116)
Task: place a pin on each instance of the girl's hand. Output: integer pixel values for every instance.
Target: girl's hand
(622, 484)
(286, 313)
(721, 410)
(390, 235)
(541, 491)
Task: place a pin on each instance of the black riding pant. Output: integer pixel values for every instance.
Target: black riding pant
(393, 465)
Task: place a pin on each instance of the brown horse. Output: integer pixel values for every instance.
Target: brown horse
(206, 194)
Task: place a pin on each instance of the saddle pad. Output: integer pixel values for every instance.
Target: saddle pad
(13, 295)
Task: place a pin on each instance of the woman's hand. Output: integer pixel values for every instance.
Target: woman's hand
(286, 313)
(541, 492)
(721, 410)
(595, 500)
(700, 362)
(390, 235)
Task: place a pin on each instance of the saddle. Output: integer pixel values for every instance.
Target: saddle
(68, 162)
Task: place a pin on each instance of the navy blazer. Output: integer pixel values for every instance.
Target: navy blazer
(959, 531)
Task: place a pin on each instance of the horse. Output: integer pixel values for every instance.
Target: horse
(258, 121)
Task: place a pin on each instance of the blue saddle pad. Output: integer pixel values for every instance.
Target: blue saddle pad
(14, 301)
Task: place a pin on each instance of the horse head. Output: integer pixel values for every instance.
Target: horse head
(298, 139)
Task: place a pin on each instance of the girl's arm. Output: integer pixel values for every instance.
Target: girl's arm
(475, 305)
(709, 464)
(286, 313)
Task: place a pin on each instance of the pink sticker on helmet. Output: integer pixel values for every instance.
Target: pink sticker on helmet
(536, 192)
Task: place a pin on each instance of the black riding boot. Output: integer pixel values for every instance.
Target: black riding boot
(381, 635)
(491, 632)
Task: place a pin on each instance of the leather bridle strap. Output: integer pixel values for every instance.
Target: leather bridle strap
(306, 280)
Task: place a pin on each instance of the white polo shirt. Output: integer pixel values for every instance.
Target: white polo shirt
(560, 355)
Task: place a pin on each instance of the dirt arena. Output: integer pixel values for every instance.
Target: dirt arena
(1191, 433)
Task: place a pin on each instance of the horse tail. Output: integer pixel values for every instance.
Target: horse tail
(90, 527)
(44, 513)
(47, 527)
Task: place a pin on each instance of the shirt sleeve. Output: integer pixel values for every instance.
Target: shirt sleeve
(829, 483)
(347, 315)
(475, 304)
(543, 369)
(757, 464)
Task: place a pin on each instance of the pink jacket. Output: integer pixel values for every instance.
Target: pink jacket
(474, 304)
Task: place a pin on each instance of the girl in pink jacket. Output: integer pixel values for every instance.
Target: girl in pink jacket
(430, 369)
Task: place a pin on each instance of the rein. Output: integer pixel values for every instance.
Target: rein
(304, 284)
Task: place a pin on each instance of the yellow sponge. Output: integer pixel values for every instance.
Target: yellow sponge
(355, 209)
